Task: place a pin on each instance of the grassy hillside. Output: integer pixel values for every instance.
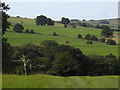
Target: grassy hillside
(65, 34)
(113, 23)
(46, 81)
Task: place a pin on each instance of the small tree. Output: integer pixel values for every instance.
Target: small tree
(87, 36)
(111, 42)
(18, 28)
(110, 56)
(54, 34)
(74, 26)
(93, 37)
(84, 20)
(106, 31)
(32, 31)
(102, 40)
(67, 42)
(79, 36)
(50, 22)
(27, 31)
(89, 42)
(65, 25)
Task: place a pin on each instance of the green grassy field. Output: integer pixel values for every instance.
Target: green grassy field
(46, 81)
(113, 23)
(65, 34)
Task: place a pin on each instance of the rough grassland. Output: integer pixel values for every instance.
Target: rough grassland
(65, 34)
(46, 81)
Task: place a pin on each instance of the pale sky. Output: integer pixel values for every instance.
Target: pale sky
(60, 0)
(57, 10)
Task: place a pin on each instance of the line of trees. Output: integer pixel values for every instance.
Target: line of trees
(91, 38)
(61, 60)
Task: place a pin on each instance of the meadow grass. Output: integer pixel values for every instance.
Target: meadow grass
(46, 81)
(64, 34)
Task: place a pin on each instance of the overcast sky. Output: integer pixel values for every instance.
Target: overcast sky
(56, 10)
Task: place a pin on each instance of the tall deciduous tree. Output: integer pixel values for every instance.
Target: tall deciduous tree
(6, 48)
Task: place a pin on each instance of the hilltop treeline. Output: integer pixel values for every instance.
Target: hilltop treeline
(57, 59)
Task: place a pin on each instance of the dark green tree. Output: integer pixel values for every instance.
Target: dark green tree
(65, 21)
(102, 40)
(93, 37)
(27, 31)
(41, 20)
(106, 31)
(74, 26)
(89, 42)
(32, 31)
(88, 36)
(18, 28)
(111, 42)
(79, 36)
(65, 65)
(54, 34)
(50, 22)
(7, 65)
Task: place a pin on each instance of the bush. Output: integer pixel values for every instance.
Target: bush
(65, 25)
(54, 34)
(106, 31)
(89, 42)
(67, 42)
(87, 36)
(74, 26)
(18, 28)
(93, 37)
(83, 24)
(102, 40)
(111, 42)
(110, 56)
(79, 36)
(27, 31)
(32, 31)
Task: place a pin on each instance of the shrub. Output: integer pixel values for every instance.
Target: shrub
(67, 42)
(27, 31)
(65, 25)
(89, 42)
(93, 37)
(54, 34)
(74, 26)
(83, 24)
(18, 28)
(79, 36)
(87, 36)
(102, 40)
(110, 56)
(32, 31)
(106, 31)
(111, 42)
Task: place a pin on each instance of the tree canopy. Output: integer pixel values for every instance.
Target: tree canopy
(43, 20)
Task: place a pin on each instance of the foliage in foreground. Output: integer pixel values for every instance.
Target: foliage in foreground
(61, 60)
